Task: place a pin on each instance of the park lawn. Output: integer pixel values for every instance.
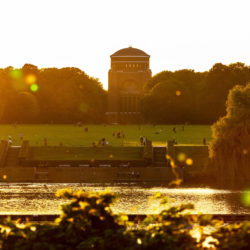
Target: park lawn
(71, 135)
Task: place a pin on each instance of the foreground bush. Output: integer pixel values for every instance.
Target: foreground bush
(87, 222)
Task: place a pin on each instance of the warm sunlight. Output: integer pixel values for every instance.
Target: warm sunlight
(125, 124)
(177, 34)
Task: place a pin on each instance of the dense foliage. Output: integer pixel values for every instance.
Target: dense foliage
(88, 223)
(187, 96)
(32, 95)
(230, 149)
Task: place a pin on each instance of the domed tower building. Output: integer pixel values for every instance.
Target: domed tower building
(128, 74)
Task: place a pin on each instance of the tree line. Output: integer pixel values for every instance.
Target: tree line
(68, 95)
(186, 96)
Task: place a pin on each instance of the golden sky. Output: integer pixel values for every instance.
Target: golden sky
(84, 33)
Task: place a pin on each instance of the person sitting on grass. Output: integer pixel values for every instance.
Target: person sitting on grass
(118, 135)
(103, 141)
(9, 141)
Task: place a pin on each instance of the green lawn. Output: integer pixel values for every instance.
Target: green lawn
(71, 135)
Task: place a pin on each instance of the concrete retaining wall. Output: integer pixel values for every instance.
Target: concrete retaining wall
(87, 174)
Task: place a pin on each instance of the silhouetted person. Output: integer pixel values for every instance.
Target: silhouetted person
(141, 140)
(204, 141)
(103, 141)
(9, 141)
(174, 141)
(174, 129)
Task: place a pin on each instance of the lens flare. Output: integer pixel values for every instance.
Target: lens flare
(178, 92)
(181, 157)
(189, 161)
(4, 176)
(246, 198)
(16, 73)
(34, 87)
(168, 157)
(30, 79)
(245, 151)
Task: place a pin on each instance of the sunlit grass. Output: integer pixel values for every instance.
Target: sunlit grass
(72, 135)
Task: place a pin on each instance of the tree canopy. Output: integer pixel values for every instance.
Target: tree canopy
(202, 95)
(230, 149)
(32, 95)
(66, 95)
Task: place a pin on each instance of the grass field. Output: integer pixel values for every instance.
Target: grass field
(70, 135)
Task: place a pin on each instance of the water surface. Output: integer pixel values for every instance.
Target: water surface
(36, 198)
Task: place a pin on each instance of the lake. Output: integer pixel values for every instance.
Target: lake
(30, 198)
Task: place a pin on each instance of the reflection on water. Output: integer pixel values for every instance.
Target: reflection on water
(40, 199)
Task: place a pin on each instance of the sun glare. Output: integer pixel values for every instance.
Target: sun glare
(30, 79)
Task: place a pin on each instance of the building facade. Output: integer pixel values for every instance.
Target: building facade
(128, 73)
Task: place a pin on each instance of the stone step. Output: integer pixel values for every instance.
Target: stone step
(12, 157)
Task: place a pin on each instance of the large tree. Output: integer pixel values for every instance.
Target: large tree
(230, 149)
(173, 97)
(168, 102)
(220, 79)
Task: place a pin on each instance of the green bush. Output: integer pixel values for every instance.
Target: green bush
(87, 222)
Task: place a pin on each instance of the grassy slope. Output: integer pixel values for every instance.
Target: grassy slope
(71, 135)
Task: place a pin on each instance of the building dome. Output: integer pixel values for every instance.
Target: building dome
(129, 52)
